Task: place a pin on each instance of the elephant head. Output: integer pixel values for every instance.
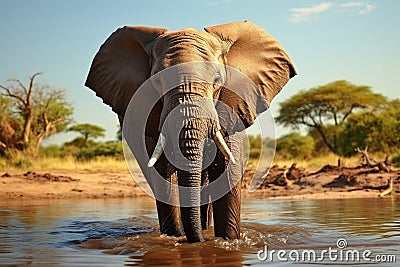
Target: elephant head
(131, 55)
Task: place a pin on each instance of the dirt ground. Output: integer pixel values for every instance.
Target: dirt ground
(328, 182)
(293, 182)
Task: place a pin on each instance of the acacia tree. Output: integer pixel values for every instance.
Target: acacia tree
(326, 108)
(87, 131)
(33, 112)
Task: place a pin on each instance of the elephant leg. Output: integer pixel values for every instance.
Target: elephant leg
(226, 212)
(169, 217)
(226, 209)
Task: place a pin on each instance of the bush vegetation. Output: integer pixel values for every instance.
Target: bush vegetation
(330, 122)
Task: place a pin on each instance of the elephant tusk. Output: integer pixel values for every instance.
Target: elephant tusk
(158, 150)
(219, 140)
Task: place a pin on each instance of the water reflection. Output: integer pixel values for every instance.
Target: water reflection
(196, 255)
(378, 216)
(125, 231)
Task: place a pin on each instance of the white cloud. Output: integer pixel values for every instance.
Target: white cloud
(220, 2)
(306, 13)
(365, 6)
(352, 4)
(301, 14)
(368, 8)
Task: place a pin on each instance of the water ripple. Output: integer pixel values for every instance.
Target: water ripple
(78, 231)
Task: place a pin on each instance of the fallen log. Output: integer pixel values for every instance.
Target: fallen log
(389, 190)
(366, 160)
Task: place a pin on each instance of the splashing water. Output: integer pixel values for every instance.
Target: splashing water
(46, 233)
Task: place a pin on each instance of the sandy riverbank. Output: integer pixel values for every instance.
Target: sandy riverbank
(296, 184)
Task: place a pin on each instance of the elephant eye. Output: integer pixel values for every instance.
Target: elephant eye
(217, 78)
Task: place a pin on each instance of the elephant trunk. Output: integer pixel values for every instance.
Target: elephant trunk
(191, 120)
(195, 128)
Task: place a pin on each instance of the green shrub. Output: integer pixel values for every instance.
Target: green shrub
(18, 159)
(295, 146)
(396, 160)
(51, 151)
(23, 163)
(109, 149)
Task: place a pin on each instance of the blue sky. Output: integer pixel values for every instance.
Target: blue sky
(357, 41)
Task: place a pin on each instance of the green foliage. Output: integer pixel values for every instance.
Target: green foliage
(119, 133)
(51, 151)
(24, 163)
(8, 126)
(378, 130)
(109, 149)
(295, 146)
(330, 131)
(74, 147)
(79, 142)
(67, 150)
(18, 159)
(92, 150)
(256, 145)
(326, 109)
(396, 160)
(87, 131)
(84, 148)
(30, 113)
(360, 131)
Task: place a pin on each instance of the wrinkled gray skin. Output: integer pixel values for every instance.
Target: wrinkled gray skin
(132, 54)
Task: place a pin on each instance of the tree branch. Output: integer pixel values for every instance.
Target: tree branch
(335, 118)
(28, 96)
(326, 142)
(382, 165)
(348, 113)
(20, 84)
(10, 94)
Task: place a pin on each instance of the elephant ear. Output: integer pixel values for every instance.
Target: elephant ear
(259, 56)
(121, 65)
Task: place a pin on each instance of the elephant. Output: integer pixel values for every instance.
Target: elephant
(209, 119)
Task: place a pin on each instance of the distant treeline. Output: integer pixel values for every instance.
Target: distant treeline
(337, 118)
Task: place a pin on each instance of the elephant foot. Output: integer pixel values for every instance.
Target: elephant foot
(229, 233)
(169, 219)
(171, 230)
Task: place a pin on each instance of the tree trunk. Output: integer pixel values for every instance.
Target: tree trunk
(332, 148)
(27, 128)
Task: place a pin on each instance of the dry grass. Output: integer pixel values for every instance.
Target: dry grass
(312, 164)
(319, 162)
(67, 163)
(102, 163)
(72, 163)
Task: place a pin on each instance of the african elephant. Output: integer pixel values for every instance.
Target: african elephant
(204, 113)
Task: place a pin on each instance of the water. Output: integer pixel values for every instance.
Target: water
(118, 232)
